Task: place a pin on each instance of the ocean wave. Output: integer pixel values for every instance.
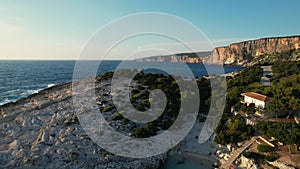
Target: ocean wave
(51, 85)
(16, 94)
(7, 101)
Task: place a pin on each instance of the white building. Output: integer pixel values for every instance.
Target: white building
(259, 100)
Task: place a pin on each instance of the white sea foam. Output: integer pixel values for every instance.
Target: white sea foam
(51, 85)
(7, 101)
(14, 95)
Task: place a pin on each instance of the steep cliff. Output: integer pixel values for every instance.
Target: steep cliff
(245, 53)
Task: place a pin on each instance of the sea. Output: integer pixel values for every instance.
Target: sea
(21, 78)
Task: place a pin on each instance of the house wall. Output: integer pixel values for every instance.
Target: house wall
(257, 103)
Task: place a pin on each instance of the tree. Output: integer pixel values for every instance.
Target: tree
(274, 107)
(221, 138)
(244, 108)
(251, 108)
(236, 123)
(271, 156)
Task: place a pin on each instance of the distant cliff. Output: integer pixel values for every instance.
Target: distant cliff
(184, 57)
(248, 52)
(244, 53)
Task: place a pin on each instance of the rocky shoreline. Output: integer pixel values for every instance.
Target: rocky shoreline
(43, 131)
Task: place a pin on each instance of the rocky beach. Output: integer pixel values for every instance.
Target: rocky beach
(43, 131)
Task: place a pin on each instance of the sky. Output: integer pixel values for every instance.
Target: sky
(59, 30)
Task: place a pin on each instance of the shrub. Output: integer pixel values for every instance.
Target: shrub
(271, 156)
(135, 91)
(107, 109)
(142, 95)
(140, 87)
(263, 148)
(146, 103)
(118, 117)
(247, 154)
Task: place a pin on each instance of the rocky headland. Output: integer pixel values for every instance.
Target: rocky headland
(244, 53)
(180, 57)
(43, 131)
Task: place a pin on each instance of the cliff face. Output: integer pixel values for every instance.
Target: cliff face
(241, 53)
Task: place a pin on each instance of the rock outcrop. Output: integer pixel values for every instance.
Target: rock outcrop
(182, 57)
(280, 165)
(43, 131)
(247, 163)
(241, 53)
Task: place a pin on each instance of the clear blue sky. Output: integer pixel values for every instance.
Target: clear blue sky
(56, 29)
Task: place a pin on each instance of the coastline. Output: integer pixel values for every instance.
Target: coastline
(191, 150)
(43, 130)
(201, 159)
(13, 91)
(59, 97)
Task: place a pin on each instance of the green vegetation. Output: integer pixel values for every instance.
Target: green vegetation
(249, 154)
(119, 116)
(264, 148)
(167, 84)
(249, 109)
(285, 91)
(148, 82)
(139, 97)
(105, 76)
(144, 132)
(277, 57)
(285, 69)
(242, 82)
(107, 109)
(246, 77)
(287, 133)
(236, 130)
(286, 87)
(271, 156)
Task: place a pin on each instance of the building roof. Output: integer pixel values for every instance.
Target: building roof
(256, 96)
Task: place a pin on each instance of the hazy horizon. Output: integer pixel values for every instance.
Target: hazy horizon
(56, 30)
